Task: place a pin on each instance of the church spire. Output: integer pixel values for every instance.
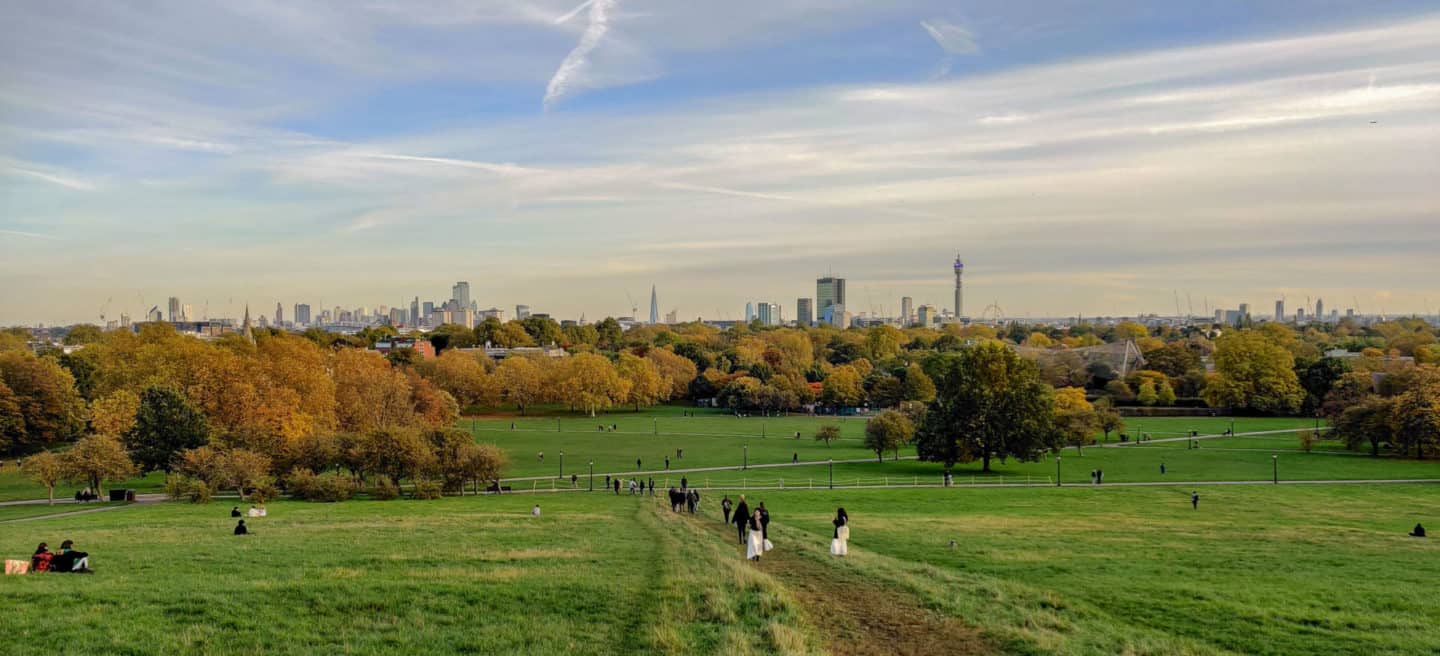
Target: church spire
(245, 326)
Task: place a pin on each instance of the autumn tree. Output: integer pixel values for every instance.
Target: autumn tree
(1366, 421)
(989, 403)
(369, 394)
(888, 431)
(165, 424)
(827, 433)
(842, 387)
(1253, 373)
(46, 469)
(589, 382)
(677, 371)
(97, 459)
(12, 420)
(244, 469)
(45, 395)
(114, 415)
(1108, 418)
(642, 379)
(918, 386)
(520, 381)
(397, 453)
(1075, 417)
(461, 375)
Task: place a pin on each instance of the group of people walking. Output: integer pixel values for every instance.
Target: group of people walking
(752, 527)
(684, 499)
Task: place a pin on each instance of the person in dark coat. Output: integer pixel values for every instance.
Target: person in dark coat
(70, 560)
(674, 499)
(652, 486)
(240, 528)
(764, 521)
(1419, 532)
(725, 506)
(617, 486)
(1195, 500)
(684, 483)
(742, 514)
(235, 512)
(692, 500)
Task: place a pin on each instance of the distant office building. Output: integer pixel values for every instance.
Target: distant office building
(1244, 311)
(492, 313)
(522, 312)
(422, 347)
(415, 311)
(1349, 313)
(176, 313)
(1299, 315)
(836, 316)
(672, 317)
(1219, 316)
(805, 312)
(768, 313)
(906, 308)
(959, 289)
(1319, 309)
(1335, 316)
(1232, 317)
(397, 317)
(154, 314)
(1280, 310)
(460, 294)
(749, 312)
(925, 315)
(187, 312)
(829, 291)
(302, 314)
(654, 306)
(279, 314)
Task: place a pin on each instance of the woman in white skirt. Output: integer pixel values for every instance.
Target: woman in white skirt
(754, 537)
(839, 546)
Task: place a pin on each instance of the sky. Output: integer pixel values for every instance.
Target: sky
(1090, 158)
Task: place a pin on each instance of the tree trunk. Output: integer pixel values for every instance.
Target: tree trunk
(985, 461)
(51, 490)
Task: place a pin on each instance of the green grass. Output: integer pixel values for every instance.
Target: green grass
(476, 575)
(8, 513)
(1287, 570)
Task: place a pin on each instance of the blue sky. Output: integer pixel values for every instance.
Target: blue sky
(1091, 157)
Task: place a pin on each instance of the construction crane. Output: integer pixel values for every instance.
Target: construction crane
(1189, 305)
(634, 309)
(103, 309)
(1177, 302)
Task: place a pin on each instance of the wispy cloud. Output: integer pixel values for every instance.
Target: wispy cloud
(568, 76)
(63, 181)
(32, 235)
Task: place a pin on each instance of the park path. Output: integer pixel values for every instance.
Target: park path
(695, 470)
(139, 498)
(87, 511)
(853, 614)
(1208, 436)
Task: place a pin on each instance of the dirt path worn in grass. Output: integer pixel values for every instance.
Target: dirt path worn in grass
(857, 616)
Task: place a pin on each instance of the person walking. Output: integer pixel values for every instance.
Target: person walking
(637, 464)
(692, 499)
(742, 514)
(1195, 500)
(839, 545)
(617, 486)
(652, 486)
(795, 457)
(684, 483)
(667, 463)
(765, 525)
(754, 538)
(1099, 477)
(1162, 469)
(725, 506)
(574, 480)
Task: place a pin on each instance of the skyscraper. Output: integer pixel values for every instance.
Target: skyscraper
(460, 293)
(176, 313)
(926, 315)
(654, 307)
(906, 307)
(279, 314)
(1320, 310)
(749, 312)
(829, 291)
(767, 313)
(302, 314)
(414, 311)
(959, 290)
(522, 312)
(1280, 310)
(805, 312)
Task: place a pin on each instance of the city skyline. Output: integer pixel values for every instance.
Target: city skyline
(1085, 161)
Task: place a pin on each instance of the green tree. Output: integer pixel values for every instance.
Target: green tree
(1416, 421)
(989, 403)
(1075, 417)
(842, 388)
(608, 332)
(1319, 377)
(888, 431)
(918, 386)
(83, 333)
(1147, 394)
(1174, 359)
(1110, 419)
(12, 420)
(1165, 395)
(165, 424)
(543, 330)
(1253, 372)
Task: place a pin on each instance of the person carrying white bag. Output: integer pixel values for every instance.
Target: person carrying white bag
(839, 545)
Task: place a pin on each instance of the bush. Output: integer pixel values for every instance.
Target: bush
(384, 490)
(307, 485)
(427, 489)
(184, 488)
(264, 490)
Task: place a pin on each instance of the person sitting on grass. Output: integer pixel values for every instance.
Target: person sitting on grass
(40, 561)
(1419, 532)
(235, 512)
(71, 561)
(240, 528)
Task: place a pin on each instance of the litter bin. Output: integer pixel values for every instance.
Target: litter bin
(130, 496)
(117, 495)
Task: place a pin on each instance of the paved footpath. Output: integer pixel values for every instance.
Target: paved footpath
(1208, 436)
(694, 470)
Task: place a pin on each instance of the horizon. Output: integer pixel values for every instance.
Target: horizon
(1093, 161)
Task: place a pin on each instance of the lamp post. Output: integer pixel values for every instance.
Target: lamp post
(562, 463)
(557, 424)
(1275, 460)
(832, 473)
(1232, 427)
(1057, 471)
(745, 457)
(592, 475)
(655, 425)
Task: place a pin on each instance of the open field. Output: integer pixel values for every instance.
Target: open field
(1075, 570)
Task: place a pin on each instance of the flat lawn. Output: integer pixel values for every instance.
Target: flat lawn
(1072, 570)
(1270, 570)
(15, 486)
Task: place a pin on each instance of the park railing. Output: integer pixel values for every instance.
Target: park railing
(783, 483)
